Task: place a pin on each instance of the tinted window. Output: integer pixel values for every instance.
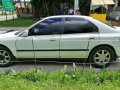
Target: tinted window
(118, 3)
(78, 25)
(47, 27)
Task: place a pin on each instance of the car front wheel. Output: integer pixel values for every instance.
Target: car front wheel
(101, 56)
(6, 57)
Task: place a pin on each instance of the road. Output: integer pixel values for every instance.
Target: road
(3, 18)
(54, 66)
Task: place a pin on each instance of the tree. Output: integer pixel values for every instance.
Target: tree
(37, 7)
(25, 6)
(45, 7)
(48, 7)
(0, 2)
(84, 6)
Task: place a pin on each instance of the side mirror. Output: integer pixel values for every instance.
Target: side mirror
(25, 34)
(36, 31)
(33, 31)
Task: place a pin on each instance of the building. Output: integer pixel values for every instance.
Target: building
(114, 11)
(23, 8)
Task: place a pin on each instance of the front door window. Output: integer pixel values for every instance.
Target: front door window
(46, 27)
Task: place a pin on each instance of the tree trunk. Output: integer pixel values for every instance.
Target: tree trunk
(25, 7)
(54, 9)
(46, 8)
(33, 11)
(21, 6)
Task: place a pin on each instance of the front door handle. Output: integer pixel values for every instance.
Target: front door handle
(52, 39)
(92, 38)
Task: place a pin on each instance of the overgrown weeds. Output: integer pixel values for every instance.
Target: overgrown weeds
(61, 80)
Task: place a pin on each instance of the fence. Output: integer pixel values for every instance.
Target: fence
(116, 9)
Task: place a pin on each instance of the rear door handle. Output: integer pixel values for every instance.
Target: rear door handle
(53, 39)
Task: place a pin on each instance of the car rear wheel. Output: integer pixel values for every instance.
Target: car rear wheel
(101, 56)
(6, 57)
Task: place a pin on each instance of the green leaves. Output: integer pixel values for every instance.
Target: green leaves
(61, 80)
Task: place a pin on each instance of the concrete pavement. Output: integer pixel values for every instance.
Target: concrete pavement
(12, 28)
(3, 18)
(55, 66)
(2, 32)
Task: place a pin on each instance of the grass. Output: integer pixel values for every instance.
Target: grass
(0, 7)
(60, 80)
(18, 22)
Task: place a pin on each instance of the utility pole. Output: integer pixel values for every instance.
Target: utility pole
(76, 5)
(116, 4)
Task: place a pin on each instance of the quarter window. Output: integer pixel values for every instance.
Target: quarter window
(118, 3)
(47, 27)
(78, 25)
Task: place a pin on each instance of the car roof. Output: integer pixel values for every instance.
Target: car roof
(103, 28)
(99, 24)
(80, 16)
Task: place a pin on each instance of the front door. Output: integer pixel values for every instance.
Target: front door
(24, 47)
(46, 38)
(43, 40)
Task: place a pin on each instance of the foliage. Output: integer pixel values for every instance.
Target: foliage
(19, 22)
(0, 7)
(48, 7)
(61, 80)
(0, 2)
(84, 6)
(37, 5)
(44, 7)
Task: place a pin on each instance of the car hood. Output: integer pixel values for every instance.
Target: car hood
(8, 34)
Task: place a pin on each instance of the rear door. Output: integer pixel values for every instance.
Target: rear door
(76, 36)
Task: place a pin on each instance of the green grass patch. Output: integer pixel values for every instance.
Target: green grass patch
(60, 80)
(0, 7)
(18, 22)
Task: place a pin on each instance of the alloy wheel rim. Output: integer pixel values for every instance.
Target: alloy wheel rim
(4, 57)
(102, 57)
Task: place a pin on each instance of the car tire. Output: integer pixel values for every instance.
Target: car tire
(6, 57)
(101, 57)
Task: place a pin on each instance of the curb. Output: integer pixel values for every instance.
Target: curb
(12, 28)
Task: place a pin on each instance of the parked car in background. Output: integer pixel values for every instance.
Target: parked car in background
(63, 37)
(6, 12)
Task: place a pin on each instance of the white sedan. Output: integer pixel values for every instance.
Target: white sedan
(63, 37)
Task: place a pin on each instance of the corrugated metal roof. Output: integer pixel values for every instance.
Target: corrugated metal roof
(102, 2)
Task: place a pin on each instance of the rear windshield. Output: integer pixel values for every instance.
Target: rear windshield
(110, 25)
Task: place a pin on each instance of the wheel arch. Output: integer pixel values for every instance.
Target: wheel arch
(103, 45)
(1, 45)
